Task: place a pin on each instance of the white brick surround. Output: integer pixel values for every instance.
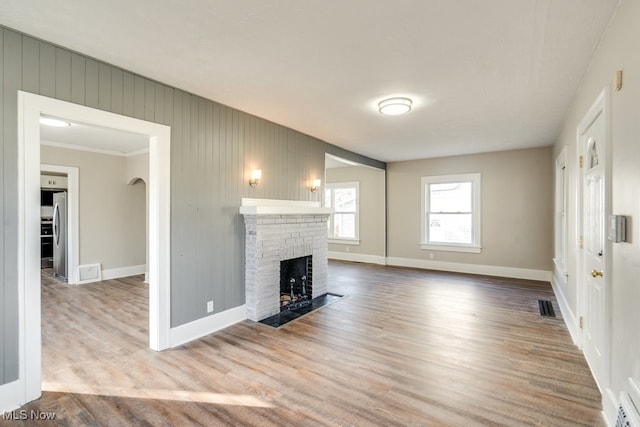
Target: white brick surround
(277, 230)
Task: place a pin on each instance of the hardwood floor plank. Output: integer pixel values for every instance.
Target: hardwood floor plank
(404, 347)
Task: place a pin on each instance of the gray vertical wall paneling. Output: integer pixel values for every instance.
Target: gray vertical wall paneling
(30, 65)
(177, 219)
(47, 70)
(78, 78)
(187, 273)
(128, 94)
(138, 97)
(237, 244)
(12, 82)
(63, 74)
(217, 186)
(104, 87)
(168, 106)
(203, 213)
(117, 91)
(149, 100)
(3, 207)
(230, 202)
(178, 202)
(223, 123)
(227, 171)
(92, 83)
(209, 203)
(190, 273)
(158, 108)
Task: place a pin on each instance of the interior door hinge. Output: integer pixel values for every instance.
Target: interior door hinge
(581, 322)
(581, 242)
(581, 162)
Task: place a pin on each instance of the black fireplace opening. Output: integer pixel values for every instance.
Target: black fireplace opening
(295, 282)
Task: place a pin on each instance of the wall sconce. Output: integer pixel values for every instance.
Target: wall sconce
(315, 185)
(254, 179)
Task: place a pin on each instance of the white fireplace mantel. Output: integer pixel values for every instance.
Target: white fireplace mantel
(281, 207)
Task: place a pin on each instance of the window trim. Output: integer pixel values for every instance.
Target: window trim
(476, 182)
(344, 240)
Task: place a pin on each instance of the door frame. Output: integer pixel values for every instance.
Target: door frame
(30, 107)
(601, 106)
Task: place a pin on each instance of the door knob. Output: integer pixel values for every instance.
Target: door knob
(596, 273)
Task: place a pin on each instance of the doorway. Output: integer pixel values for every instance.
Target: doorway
(593, 250)
(31, 107)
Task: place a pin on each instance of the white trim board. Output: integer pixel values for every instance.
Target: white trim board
(568, 315)
(350, 256)
(207, 325)
(486, 270)
(117, 273)
(10, 394)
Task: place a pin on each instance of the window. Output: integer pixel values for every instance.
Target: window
(344, 220)
(451, 213)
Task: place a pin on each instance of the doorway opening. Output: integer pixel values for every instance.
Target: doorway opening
(31, 107)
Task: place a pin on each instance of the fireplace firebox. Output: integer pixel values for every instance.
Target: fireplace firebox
(296, 282)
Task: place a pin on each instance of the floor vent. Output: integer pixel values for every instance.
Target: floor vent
(546, 309)
(89, 273)
(628, 415)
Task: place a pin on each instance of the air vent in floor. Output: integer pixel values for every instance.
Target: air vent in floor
(89, 273)
(546, 308)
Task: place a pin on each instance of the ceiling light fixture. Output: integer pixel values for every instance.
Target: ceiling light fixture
(395, 106)
(56, 123)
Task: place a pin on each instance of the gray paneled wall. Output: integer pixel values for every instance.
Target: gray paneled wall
(213, 148)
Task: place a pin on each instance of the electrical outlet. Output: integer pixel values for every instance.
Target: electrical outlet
(347, 248)
(431, 255)
(209, 306)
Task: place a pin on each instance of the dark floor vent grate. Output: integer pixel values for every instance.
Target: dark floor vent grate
(546, 308)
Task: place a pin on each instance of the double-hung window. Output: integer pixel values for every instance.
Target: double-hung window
(451, 213)
(343, 198)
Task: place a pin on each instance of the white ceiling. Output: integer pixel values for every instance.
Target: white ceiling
(484, 75)
(81, 136)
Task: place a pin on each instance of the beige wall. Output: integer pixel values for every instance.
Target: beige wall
(112, 214)
(516, 208)
(372, 211)
(138, 167)
(618, 51)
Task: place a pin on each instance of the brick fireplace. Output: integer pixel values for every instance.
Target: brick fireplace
(277, 231)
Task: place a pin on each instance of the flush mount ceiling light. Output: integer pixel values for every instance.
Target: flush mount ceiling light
(56, 123)
(395, 106)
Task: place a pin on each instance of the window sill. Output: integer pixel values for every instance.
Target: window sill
(334, 241)
(452, 248)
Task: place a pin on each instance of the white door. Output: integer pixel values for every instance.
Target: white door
(593, 253)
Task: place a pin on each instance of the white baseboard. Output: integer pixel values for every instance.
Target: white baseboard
(487, 270)
(349, 256)
(570, 319)
(116, 273)
(205, 326)
(609, 407)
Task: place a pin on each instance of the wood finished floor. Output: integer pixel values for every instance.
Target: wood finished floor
(404, 347)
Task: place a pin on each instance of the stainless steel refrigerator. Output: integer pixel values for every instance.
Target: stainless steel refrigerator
(60, 235)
